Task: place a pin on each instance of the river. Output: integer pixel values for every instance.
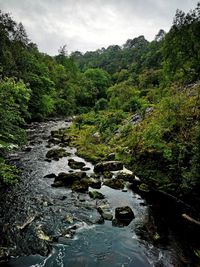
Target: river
(34, 216)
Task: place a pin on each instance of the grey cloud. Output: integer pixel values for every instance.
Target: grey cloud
(91, 24)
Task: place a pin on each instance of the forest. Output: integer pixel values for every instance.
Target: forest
(139, 101)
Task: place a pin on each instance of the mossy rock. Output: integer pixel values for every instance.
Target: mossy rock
(75, 164)
(108, 166)
(96, 195)
(67, 179)
(125, 176)
(94, 183)
(57, 153)
(80, 186)
(115, 183)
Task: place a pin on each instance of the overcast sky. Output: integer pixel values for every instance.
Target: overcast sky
(91, 24)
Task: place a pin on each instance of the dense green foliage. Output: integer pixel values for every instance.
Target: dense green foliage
(150, 119)
(140, 100)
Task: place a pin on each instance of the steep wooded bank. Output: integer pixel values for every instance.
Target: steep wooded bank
(139, 101)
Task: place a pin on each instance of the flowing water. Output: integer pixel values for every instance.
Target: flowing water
(36, 218)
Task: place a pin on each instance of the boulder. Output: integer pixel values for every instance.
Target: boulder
(96, 195)
(125, 176)
(108, 166)
(106, 212)
(80, 186)
(75, 164)
(67, 179)
(115, 183)
(124, 213)
(57, 153)
(94, 183)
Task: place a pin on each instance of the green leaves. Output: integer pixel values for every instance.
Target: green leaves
(126, 97)
(100, 80)
(9, 175)
(181, 48)
(14, 99)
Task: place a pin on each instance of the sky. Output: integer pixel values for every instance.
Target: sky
(87, 25)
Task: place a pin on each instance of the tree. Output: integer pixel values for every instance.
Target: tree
(14, 98)
(160, 35)
(100, 80)
(182, 48)
(21, 35)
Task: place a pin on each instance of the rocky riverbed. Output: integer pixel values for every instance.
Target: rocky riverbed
(67, 212)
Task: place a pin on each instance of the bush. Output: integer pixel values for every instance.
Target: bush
(9, 175)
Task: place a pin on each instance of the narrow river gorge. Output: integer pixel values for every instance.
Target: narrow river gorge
(48, 226)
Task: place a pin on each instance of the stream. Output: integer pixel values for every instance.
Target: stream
(44, 226)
